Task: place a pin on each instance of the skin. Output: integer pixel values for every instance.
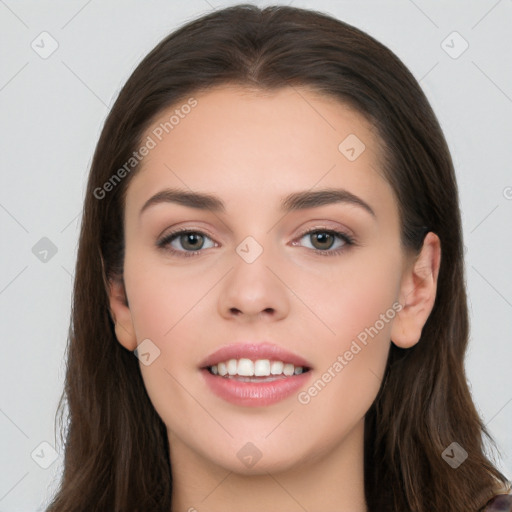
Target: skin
(311, 304)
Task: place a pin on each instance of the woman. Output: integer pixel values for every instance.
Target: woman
(272, 372)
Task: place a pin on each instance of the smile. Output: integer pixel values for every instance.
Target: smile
(254, 375)
(260, 368)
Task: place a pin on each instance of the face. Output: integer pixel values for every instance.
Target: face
(317, 282)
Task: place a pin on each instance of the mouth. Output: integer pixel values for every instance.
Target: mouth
(254, 374)
(261, 370)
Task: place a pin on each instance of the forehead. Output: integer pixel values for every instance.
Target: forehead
(245, 145)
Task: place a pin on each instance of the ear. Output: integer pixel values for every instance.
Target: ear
(417, 293)
(121, 314)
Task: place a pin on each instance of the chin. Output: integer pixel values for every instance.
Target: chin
(251, 461)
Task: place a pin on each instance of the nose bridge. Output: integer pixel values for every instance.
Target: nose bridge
(252, 262)
(252, 286)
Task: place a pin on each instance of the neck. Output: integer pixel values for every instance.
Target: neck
(331, 481)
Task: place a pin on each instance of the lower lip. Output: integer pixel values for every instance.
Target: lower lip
(254, 394)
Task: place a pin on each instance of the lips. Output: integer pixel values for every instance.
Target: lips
(254, 351)
(231, 383)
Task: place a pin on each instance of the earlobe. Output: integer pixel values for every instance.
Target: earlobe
(121, 314)
(417, 293)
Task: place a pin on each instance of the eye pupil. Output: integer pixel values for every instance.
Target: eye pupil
(323, 235)
(188, 237)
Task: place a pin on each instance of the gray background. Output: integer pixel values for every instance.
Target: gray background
(52, 111)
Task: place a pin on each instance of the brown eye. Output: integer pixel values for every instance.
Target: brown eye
(191, 240)
(323, 239)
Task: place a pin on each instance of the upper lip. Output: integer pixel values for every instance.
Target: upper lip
(254, 351)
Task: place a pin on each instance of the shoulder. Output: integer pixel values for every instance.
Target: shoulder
(500, 503)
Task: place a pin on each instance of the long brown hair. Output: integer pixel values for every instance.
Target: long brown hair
(116, 447)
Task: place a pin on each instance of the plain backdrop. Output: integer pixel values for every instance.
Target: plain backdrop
(53, 108)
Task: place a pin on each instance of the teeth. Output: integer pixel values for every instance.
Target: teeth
(245, 367)
(261, 368)
(231, 366)
(276, 368)
(222, 369)
(288, 369)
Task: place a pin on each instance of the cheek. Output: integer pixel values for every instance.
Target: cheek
(356, 304)
(355, 297)
(171, 307)
(162, 298)
(365, 304)
(354, 355)
(167, 309)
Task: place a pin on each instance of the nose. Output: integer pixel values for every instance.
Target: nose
(254, 290)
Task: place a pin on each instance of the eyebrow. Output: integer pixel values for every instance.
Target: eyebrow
(293, 202)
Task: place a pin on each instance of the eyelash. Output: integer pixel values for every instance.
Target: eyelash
(164, 242)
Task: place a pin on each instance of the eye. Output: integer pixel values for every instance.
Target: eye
(191, 241)
(323, 240)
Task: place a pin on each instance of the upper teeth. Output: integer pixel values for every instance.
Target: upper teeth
(260, 368)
